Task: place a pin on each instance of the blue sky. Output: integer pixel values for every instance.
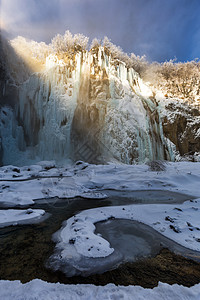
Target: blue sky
(160, 29)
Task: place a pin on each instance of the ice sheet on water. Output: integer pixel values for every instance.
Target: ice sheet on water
(71, 263)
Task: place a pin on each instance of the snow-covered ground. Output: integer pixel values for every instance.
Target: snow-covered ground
(89, 181)
(76, 238)
(20, 216)
(23, 185)
(40, 290)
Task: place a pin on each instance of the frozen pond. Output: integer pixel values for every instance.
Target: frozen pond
(146, 197)
(130, 239)
(26, 249)
(133, 240)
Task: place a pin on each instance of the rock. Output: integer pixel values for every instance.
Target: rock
(182, 128)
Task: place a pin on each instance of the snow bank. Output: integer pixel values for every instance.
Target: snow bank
(183, 177)
(17, 217)
(23, 193)
(41, 290)
(21, 186)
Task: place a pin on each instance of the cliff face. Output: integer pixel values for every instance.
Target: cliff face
(116, 114)
(181, 125)
(88, 106)
(5, 86)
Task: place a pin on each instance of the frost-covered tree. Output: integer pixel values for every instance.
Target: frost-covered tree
(174, 79)
(177, 79)
(138, 63)
(95, 43)
(69, 43)
(106, 42)
(80, 41)
(37, 50)
(58, 44)
(116, 51)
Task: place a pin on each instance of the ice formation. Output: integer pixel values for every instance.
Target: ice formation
(86, 106)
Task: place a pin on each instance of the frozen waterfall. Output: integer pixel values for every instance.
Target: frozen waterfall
(87, 107)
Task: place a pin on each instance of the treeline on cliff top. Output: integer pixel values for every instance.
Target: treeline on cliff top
(177, 77)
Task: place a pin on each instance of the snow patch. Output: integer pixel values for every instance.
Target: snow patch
(38, 289)
(13, 217)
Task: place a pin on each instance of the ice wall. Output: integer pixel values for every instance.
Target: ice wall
(90, 107)
(116, 114)
(46, 107)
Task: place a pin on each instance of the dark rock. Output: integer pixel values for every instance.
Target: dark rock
(16, 170)
(15, 176)
(168, 218)
(189, 224)
(179, 209)
(111, 218)
(181, 129)
(174, 228)
(72, 241)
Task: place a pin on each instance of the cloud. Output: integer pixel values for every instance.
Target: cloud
(158, 28)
